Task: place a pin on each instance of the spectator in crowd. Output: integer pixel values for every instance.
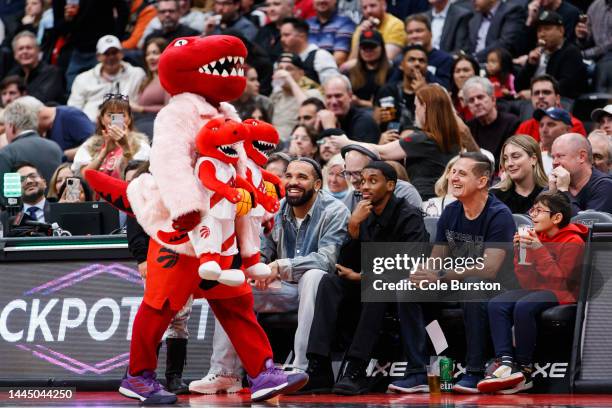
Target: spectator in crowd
(356, 157)
(553, 122)
(151, 96)
(189, 17)
(593, 37)
(11, 88)
(573, 175)
(171, 28)
(299, 260)
(115, 142)
(33, 186)
(293, 87)
(379, 217)
(435, 205)
(277, 164)
(319, 64)
(554, 249)
(439, 63)
(268, 36)
(499, 69)
(58, 179)
(524, 175)
(403, 9)
(111, 75)
(554, 56)
(304, 143)
(464, 67)
(229, 10)
(449, 25)
(372, 69)
(254, 12)
(545, 94)
(490, 127)
(327, 148)
(331, 31)
(334, 181)
(25, 144)
(603, 118)
(568, 12)
(31, 17)
(357, 123)
(495, 24)
(476, 217)
(395, 102)
(142, 12)
(85, 192)
(82, 25)
(307, 114)
(602, 150)
(42, 80)
(376, 18)
(65, 125)
(251, 99)
(427, 151)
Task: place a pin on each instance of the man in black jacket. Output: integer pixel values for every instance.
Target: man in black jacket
(379, 217)
(449, 25)
(43, 81)
(555, 57)
(495, 23)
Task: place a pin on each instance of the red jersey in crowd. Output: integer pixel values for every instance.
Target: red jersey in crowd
(531, 127)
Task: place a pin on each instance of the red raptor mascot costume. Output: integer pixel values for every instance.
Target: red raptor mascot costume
(200, 73)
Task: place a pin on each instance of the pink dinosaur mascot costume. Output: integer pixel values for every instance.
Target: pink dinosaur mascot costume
(200, 73)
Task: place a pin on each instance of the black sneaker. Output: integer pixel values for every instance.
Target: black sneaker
(524, 385)
(501, 374)
(354, 380)
(320, 374)
(175, 385)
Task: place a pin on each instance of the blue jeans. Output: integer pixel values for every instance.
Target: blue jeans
(414, 336)
(520, 308)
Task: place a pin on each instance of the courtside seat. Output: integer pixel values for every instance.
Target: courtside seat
(559, 317)
(287, 320)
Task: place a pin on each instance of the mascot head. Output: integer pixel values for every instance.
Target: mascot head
(211, 67)
(220, 139)
(261, 141)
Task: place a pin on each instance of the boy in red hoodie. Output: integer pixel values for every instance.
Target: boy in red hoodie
(550, 276)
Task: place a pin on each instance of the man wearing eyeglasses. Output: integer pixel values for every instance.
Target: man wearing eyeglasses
(171, 28)
(25, 144)
(33, 188)
(356, 157)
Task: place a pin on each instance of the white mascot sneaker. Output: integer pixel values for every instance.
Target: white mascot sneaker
(231, 277)
(209, 270)
(214, 384)
(258, 271)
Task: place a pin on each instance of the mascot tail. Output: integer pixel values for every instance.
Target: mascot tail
(110, 189)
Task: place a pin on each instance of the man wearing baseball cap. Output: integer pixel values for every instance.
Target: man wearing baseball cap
(553, 122)
(554, 56)
(603, 118)
(111, 75)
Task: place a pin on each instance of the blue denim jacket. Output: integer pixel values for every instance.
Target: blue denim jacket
(314, 245)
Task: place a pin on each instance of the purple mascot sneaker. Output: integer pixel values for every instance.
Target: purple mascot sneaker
(274, 381)
(146, 388)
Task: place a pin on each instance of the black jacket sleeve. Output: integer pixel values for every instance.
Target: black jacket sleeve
(138, 240)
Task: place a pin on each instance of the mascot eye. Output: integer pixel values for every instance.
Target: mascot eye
(180, 43)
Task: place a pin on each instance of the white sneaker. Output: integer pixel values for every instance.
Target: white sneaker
(214, 384)
(258, 271)
(209, 270)
(231, 277)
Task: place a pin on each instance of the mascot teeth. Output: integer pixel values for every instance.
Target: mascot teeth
(221, 66)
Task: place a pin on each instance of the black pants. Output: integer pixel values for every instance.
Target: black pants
(338, 304)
